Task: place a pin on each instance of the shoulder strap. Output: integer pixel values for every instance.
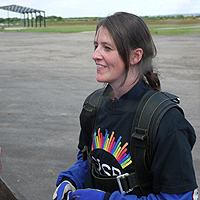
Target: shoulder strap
(92, 101)
(91, 106)
(150, 111)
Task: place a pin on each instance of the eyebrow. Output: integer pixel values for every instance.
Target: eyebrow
(104, 43)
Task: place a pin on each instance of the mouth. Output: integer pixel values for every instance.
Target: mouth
(101, 66)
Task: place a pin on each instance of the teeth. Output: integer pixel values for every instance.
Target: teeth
(100, 66)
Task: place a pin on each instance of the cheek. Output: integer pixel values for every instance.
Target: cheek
(117, 60)
(120, 66)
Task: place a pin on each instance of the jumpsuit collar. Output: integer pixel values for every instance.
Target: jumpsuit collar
(135, 92)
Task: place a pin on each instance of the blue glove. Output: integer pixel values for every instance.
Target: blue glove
(89, 194)
(62, 191)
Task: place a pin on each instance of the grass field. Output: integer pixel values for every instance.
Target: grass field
(56, 29)
(175, 29)
(161, 28)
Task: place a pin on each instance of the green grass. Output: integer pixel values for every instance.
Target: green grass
(160, 29)
(175, 31)
(58, 29)
(171, 25)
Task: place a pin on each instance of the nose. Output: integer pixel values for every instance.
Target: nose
(97, 54)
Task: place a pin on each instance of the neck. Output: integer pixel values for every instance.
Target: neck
(131, 80)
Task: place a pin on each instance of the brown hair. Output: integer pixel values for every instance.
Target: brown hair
(130, 32)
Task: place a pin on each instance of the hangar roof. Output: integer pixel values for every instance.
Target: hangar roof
(20, 9)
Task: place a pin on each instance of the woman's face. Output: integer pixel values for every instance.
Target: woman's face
(110, 66)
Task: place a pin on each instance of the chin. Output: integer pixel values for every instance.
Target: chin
(100, 79)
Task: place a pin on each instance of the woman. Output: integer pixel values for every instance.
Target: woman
(123, 55)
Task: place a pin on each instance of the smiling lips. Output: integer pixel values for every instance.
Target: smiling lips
(100, 66)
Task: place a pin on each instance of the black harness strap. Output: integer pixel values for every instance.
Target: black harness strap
(90, 108)
(92, 102)
(150, 111)
(124, 183)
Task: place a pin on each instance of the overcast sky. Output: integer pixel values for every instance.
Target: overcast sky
(102, 8)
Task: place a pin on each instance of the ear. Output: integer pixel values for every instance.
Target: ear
(136, 56)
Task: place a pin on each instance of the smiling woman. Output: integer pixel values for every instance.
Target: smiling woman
(118, 158)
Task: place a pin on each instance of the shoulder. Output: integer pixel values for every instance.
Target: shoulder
(173, 122)
(172, 154)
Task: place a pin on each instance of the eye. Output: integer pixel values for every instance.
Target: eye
(107, 48)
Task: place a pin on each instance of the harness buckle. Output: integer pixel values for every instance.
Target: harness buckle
(119, 181)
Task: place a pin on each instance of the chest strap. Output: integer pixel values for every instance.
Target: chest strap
(125, 182)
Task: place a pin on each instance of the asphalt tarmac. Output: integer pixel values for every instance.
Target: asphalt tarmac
(44, 79)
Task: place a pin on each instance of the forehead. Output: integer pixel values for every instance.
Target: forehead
(103, 34)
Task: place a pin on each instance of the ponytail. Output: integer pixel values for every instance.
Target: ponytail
(152, 80)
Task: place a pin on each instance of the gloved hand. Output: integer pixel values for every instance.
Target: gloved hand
(89, 194)
(62, 191)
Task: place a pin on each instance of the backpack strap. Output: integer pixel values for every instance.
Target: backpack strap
(91, 106)
(150, 111)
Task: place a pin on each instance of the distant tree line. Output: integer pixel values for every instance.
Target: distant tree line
(73, 19)
(55, 19)
(170, 17)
